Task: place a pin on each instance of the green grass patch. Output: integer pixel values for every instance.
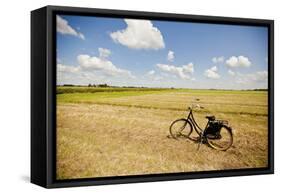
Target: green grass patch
(94, 97)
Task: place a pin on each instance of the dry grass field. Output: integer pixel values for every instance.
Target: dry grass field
(115, 133)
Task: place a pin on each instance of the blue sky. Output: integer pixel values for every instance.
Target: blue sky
(151, 53)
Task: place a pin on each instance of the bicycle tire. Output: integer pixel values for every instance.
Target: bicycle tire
(228, 131)
(185, 130)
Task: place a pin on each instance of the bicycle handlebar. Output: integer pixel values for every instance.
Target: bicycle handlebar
(194, 106)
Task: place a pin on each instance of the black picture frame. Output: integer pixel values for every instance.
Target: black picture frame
(43, 96)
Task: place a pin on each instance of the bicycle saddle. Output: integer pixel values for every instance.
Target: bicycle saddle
(211, 117)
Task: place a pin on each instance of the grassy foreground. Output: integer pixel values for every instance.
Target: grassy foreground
(117, 132)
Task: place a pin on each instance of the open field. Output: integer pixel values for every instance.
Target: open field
(115, 132)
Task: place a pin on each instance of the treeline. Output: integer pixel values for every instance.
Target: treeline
(89, 85)
(259, 90)
(86, 89)
(100, 86)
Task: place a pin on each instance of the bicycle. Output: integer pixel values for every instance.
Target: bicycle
(217, 134)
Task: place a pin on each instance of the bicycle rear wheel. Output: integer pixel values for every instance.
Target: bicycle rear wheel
(222, 141)
(180, 128)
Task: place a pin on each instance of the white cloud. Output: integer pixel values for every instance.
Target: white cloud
(183, 72)
(103, 65)
(218, 59)
(230, 72)
(152, 75)
(64, 28)
(104, 53)
(259, 76)
(157, 78)
(189, 68)
(81, 35)
(92, 68)
(171, 56)
(212, 73)
(67, 69)
(139, 34)
(151, 72)
(239, 61)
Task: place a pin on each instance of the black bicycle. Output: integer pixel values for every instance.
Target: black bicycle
(217, 134)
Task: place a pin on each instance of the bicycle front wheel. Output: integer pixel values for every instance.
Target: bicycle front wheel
(180, 128)
(222, 141)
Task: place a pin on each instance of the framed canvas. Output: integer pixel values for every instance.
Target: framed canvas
(127, 96)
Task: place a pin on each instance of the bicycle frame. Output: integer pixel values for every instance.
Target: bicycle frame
(194, 124)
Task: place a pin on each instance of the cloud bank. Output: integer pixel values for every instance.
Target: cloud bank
(64, 28)
(182, 72)
(91, 66)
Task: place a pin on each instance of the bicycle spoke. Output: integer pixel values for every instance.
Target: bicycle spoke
(180, 129)
(221, 141)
